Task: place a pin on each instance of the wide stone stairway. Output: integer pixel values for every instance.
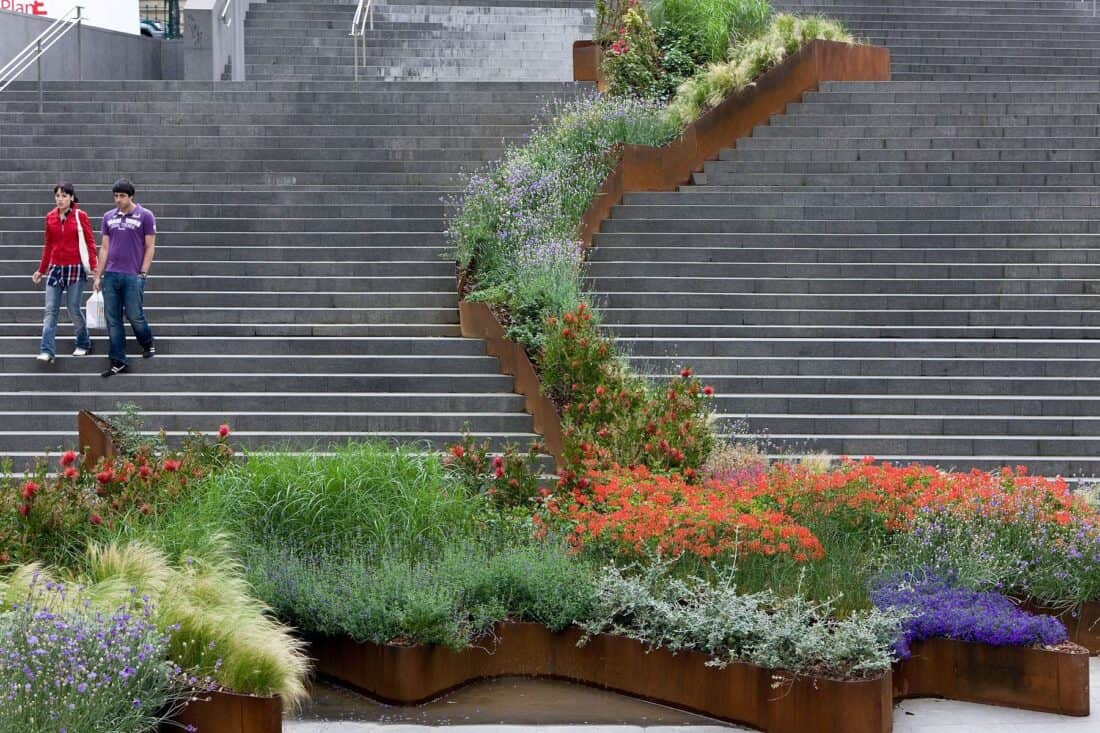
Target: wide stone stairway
(456, 40)
(909, 270)
(301, 290)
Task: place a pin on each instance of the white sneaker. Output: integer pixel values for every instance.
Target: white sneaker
(45, 358)
(80, 351)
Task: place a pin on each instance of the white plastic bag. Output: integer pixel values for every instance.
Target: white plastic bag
(96, 318)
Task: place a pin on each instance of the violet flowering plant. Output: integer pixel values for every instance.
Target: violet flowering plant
(938, 607)
(515, 230)
(67, 667)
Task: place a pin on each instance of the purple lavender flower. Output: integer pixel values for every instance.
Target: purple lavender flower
(940, 608)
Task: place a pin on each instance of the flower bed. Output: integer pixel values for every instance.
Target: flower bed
(765, 699)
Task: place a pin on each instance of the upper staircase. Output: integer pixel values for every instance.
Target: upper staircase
(903, 269)
(475, 40)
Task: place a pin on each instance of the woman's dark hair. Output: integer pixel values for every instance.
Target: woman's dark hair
(66, 187)
(123, 185)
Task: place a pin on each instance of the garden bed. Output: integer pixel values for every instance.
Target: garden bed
(1035, 679)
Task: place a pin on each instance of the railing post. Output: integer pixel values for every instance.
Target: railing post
(38, 63)
(237, 13)
(80, 40)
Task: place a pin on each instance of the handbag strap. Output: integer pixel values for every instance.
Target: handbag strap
(85, 259)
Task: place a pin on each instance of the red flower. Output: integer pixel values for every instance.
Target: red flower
(144, 471)
(29, 489)
(458, 451)
(498, 462)
(24, 509)
(71, 472)
(223, 431)
(146, 509)
(104, 476)
(708, 390)
(171, 466)
(96, 519)
(69, 457)
(685, 372)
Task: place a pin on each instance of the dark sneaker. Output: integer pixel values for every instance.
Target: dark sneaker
(148, 352)
(117, 367)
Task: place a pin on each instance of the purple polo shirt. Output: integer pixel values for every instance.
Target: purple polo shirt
(127, 233)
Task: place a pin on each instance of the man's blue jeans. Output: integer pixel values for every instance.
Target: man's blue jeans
(73, 304)
(123, 293)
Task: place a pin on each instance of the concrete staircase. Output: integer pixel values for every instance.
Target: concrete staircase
(471, 40)
(973, 40)
(909, 270)
(300, 290)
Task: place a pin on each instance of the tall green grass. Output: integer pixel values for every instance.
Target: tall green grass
(714, 25)
(360, 494)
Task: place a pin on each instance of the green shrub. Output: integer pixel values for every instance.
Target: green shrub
(785, 35)
(359, 493)
(782, 633)
(713, 25)
(450, 594)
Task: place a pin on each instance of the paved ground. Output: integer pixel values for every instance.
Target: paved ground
(913, 716)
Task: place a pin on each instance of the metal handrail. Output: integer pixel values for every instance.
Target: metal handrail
(226, 18)
(364, 12)
(33, 52)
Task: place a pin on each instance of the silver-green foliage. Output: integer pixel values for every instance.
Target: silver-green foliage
(789, 633)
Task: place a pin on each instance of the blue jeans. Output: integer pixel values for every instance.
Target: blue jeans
(123, 293)
(73, 304)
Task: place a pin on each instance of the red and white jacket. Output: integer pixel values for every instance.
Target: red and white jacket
(62, 246)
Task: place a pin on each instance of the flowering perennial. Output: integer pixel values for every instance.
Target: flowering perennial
(939, 608)
(639, 513)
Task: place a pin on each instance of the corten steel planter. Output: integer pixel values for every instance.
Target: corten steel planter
(478, 321)
(1015, 677)
(588, 63)
(1085, 628)
(1082, 624)
(1034, 679)
(645, 168)
(96, 437)
(229, 712)
(741, 693)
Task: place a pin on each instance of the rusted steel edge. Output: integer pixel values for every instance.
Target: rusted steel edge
(229, 712)
(588, 63)
(478, 321)
(1082, 622)
(97, 437)
(764, 699)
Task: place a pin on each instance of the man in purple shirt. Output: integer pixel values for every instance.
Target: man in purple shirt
(129, 238)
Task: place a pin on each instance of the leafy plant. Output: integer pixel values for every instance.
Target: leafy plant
(450, 594)
(937, 607)
(782, 633)
(64, 666)
(784, 35)
(715, 24)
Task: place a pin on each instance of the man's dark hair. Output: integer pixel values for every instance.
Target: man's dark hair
(123, 185)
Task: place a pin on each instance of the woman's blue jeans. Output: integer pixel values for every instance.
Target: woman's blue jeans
(73, 303)
(124, 293)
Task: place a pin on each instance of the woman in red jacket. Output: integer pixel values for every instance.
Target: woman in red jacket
(66, 262)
